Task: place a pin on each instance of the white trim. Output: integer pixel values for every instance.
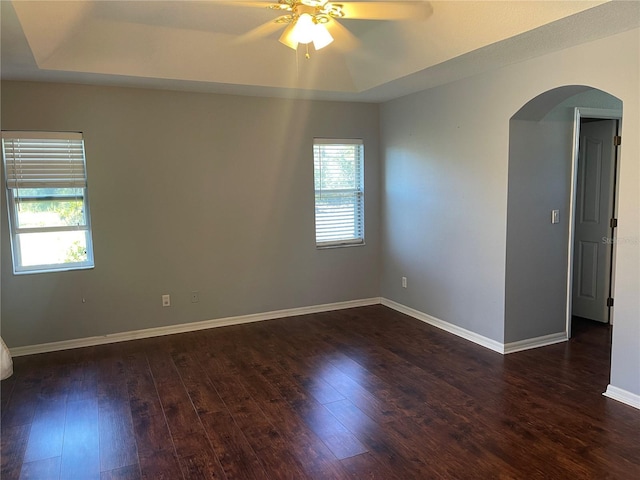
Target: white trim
(623, 396)
(337, 141)
(604, 113)
(187, 327)
(530, 343)
(37, 135)
(446, 326)
(575, 153)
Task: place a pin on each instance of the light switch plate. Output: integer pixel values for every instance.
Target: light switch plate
(166, 300)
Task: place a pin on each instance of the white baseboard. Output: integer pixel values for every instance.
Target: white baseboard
(257, 317)
(530, 343)
(475, 337)
(186, 327)
(623, 396)
(446, 326)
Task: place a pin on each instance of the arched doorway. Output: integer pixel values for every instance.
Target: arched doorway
(542, 181)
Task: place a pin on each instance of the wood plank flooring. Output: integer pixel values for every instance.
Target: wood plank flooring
(364, 393)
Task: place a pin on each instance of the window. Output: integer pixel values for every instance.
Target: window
(46, 185)
(339, 190)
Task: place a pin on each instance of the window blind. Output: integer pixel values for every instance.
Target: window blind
(44, 160)
(339, 191)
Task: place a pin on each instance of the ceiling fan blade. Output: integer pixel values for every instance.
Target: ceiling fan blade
(411, 10)
(261, 31)
(344, 39)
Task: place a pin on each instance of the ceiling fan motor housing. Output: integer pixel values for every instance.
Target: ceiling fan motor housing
(319, 10)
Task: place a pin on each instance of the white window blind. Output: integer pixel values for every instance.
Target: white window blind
(44, 160)
(339, 191)
(46, 182)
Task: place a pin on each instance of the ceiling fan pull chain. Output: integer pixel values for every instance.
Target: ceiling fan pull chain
(306, 55)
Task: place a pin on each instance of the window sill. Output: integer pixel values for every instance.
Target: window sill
(53, 270)
(340, 245)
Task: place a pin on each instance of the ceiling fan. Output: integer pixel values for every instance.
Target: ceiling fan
(309, 21)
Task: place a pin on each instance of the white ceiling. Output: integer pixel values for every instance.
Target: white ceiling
(197, 45)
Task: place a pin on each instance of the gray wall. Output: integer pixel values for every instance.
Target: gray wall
(536, 261)
(190, 192)
(540, 156)
(446, 189)
(444, 205)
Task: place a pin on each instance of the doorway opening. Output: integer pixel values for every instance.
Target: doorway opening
(593, 218)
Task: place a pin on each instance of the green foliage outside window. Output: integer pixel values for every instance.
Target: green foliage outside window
(69, 212)
(76, 253)
(47, 207)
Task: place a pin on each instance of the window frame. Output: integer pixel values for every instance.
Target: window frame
(14, 199)
(358, 194)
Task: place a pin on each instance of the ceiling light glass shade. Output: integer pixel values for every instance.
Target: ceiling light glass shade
(303, 31)
(321, 36)
(287, 37)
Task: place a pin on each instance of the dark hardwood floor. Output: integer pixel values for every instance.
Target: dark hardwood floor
(365, 393)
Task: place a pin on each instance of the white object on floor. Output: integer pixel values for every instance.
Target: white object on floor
(6, 364)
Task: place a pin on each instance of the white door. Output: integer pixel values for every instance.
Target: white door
(592, 248)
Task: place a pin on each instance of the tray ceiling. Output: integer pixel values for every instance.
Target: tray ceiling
(194, 45)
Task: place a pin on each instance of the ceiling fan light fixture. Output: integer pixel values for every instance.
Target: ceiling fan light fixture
(307, 20)
(305, 29)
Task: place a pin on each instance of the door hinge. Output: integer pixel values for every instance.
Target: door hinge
(609, 302)
(617, 140)
(613, 223)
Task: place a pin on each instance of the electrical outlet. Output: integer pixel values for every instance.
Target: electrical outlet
(166, 300)
(195, 297)
(555, 216)
(404, 282)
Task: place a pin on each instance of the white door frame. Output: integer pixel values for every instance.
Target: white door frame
(579, 113)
